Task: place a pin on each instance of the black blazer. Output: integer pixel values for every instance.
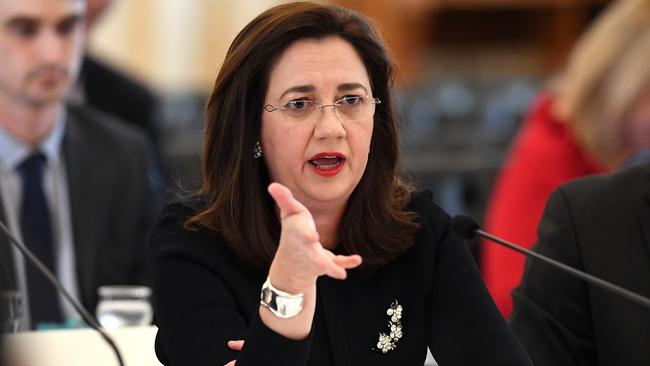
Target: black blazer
(600, 225)
(111, 203)
(205, 297)
(114, 93)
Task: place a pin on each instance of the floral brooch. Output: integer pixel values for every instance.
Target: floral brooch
(388, 342)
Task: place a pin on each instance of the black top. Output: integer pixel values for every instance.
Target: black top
(600, 225)
(204, 297)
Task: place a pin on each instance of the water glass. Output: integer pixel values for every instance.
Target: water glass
(11, 309)
(124, 306)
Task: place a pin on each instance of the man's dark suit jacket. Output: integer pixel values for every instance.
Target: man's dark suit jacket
(114, 93)
(111, 203)
(600, 225)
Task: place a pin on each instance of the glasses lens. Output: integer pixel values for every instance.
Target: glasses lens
(300, 109)
(355, 108)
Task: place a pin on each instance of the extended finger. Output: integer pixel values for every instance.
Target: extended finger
(236, 345)
(332, 269)
(286, 202)
(345, 261)
(231, 363)
(348, 261)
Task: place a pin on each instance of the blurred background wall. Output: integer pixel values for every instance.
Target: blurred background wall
(173, 45)
(467, 72)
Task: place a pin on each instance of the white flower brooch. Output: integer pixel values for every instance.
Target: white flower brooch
(388, 342)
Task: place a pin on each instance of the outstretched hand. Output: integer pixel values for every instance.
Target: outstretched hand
(298, 262)
(300, 258)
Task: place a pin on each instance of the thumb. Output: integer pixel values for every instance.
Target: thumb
(286, 202)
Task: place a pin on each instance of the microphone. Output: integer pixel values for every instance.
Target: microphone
(59, 286)
(466, 228)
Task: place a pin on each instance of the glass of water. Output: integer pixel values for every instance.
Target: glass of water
(124, 306)
(11, 303)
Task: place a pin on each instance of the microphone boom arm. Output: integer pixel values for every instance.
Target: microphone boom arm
(47, 273)
(563, 267)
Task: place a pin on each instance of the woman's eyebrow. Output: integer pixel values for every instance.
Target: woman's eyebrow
(299, 89)
(310, 88)
(351, 86)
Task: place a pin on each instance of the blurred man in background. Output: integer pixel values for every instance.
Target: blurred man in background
(600, 225)
(73, 182)
(109, 90)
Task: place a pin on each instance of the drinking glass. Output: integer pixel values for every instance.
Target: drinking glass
(124, 306)
(11, 309)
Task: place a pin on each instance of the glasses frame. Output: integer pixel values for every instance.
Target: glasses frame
(317, 104)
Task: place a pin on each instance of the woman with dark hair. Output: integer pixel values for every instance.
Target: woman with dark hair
(303, 100)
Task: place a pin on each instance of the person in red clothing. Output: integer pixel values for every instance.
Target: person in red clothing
(544, 155)
(581, 125)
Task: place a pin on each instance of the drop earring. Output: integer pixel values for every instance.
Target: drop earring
(257, 150)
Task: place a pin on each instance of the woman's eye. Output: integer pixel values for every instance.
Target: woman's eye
(297, 104)
(351, 100)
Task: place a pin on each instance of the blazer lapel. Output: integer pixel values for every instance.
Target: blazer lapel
(7, 270)
(83, 195)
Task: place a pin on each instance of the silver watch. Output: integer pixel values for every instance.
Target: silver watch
(281, 304)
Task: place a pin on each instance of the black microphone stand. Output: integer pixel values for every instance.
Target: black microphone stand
(78, 307)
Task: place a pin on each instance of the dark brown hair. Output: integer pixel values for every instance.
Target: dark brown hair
(375, 223)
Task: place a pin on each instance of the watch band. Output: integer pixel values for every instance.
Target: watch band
(281, 304)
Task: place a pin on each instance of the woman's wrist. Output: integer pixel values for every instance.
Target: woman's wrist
(289, 282)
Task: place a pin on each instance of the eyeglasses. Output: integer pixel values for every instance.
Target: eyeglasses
(352, 108)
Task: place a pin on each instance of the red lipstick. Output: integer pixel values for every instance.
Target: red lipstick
(327, 164)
